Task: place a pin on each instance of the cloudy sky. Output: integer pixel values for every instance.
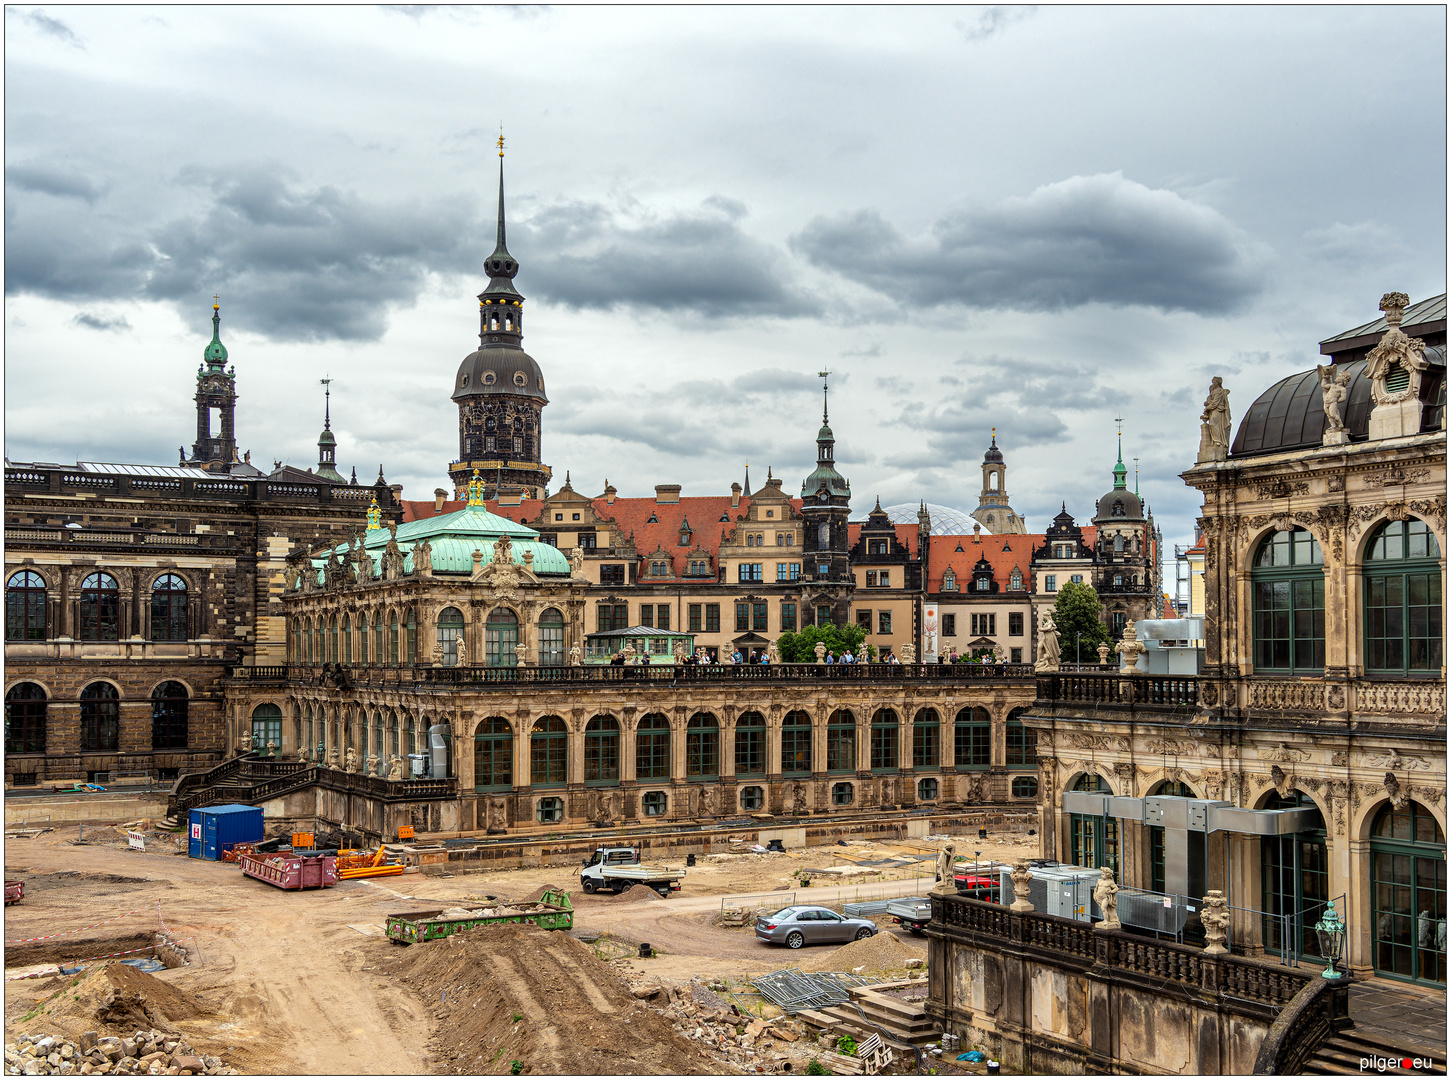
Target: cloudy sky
(1039, 219)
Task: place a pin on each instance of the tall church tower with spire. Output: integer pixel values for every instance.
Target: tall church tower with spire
(327, 443)
(826, 505)
(993, 512)
(499, 388)
(216, 391)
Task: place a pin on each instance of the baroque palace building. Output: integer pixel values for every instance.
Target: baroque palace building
(1307, 763)
(131, 590)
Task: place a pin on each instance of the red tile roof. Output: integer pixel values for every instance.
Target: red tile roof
(943, 553)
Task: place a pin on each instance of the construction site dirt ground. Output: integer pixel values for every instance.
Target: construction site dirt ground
(289, 982)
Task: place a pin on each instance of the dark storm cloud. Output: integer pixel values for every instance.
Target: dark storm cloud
(309, 264)
(992, 20)
(52, 27)
(101, 322)
(697, 261)
(1085, 240)
(47, 180)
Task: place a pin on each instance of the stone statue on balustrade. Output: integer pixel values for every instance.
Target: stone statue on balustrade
(1047, 643)
(820, 651)
(1021, 877)
(946, 870)
(395, 768)
(1214, 423)
(521, 651)
(773, 654)
(909, 653)
(1131, 648)
(372, 769)
(271, 748)
(244, 744)
(461, 650)
(1102, 651)
(352, 760)
(1105, 895)
(1334, 388)
(574, 656)
(332, 757)
(1215, 916)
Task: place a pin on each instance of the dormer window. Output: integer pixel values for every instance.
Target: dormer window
(984, 583)
(1016, 581)
(684, 538)
(949, 582)
(652, 519)
(658, 568)
(1118, 508)
(463, 380)
(877, 547)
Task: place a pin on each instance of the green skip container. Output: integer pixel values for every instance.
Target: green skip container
(552, 911)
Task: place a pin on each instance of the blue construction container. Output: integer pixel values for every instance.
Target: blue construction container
(216, 829)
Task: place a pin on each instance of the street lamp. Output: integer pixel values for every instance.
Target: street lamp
(1331, 932)
(1078, 647)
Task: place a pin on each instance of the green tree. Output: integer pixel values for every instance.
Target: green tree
(1077, 612)
(800, 648)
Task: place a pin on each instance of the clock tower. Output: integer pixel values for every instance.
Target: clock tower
(216, 391)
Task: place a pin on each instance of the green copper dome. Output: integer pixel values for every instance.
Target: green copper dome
(215, 354)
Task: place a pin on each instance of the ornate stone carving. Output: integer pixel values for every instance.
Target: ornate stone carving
(1105, 895)
(1392, 788)
(1340, 759)
(395, 768)
(1214, 916)
(1281, 489)
(1214, 426)
(1047, 643)
(1208, 693)
(1334, 389)
(1021, 876)
(1172, 747)
(946, 864)
(1283, 752)
(1392, 759)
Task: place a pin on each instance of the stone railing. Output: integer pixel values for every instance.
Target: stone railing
(1070, 943)
(483, 678)
(1177, 692)
(192, 782)
(1284, 694)
(1318, 1011)
(252, 781)
(1397, 698)
(205, 485)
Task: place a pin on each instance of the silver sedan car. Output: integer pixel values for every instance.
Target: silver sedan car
(797, 926)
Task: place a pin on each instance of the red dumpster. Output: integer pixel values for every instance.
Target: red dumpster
(289, 871)
(14, 891)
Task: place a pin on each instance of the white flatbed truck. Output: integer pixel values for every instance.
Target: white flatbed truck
(616, 869)
(912, 912)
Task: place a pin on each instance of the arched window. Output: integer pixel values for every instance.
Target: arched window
(332, 640)
(551, 638)
(602, 751)
(751, 745)
(1022, 743)
(450, 629)
(411, 733)
(347, 657)
(501, 634)
(972, 735)
(168, 716)
(1118, 544)
(1408, 889)
(306, 647)
(363, 638)
(927, 740)
(1093, 840)
(652, 748)
(25, 719)
(393, 740)
(382, 769)
(796, 744)
(1403, 600)
(1289, 603)
(1295, 878)
(493, 754)
(378, 631)
(294, 643)
(549, 752)
(100, 608)
(100, 717)
(410, 638)
(266, 727)
(168, 608)
(949, 582)
(1015, 582)
(884, 741)
(702, 747)
(25, 607)
(841, 742)
(393, 639)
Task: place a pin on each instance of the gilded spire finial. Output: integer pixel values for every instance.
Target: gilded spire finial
(500, 143)
(216, 302)
(375, 515)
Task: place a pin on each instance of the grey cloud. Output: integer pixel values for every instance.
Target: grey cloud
(1089, 239)
(296, 263)
(694, 261)
(1351, 244)
(51, 181)
(993, 20)
(101, 322)
(52, 27)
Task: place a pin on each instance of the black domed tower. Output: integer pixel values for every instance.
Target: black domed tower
(499, 388)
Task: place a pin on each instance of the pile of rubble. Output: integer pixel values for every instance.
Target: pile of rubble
(146, 1053)
(736, 1040)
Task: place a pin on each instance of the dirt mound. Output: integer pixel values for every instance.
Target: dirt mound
(635, 893)
(112, 996)
(880, 952)
(538, 894)
(518, 993)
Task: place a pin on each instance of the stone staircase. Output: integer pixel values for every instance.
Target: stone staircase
(904, 1022)
(1343, 1052)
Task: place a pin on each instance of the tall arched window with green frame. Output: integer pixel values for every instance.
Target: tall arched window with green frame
(1288, 579)
(796, 743)
(1408, 889)
(1403, 600)
(1093, 840)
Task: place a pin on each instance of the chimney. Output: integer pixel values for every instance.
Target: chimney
(397, 490)
(439, 496)
(667, 493)
(609, 494)
(510, 496)
(735, 494)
